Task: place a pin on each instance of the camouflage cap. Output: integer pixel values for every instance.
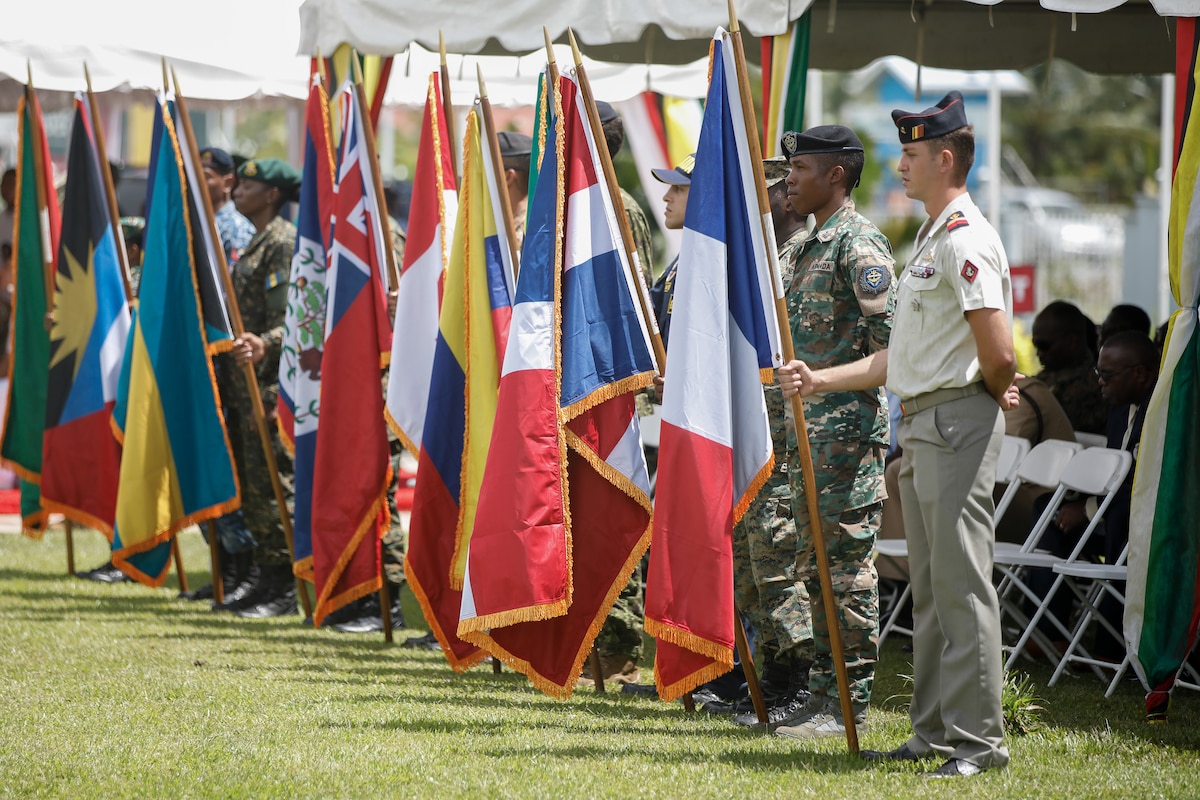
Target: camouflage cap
(271, 171)
(775, 169)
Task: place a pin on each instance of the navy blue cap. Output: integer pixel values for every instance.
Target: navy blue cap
(947, 116)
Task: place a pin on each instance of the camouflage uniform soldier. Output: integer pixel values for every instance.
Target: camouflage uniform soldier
(764, 541)
(260, 282)
(840, 305)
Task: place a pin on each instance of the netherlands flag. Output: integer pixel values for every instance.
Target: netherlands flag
(353, 466)
(304, 323)
(715, 447)
(472, 335)
(546, 562)
(419, 295)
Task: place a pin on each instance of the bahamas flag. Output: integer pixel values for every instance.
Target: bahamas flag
(81, 458)
(35, 243)
(785, 76)
(176, 466)
(715, 448)
(1162, 606)
(352, 466)
(207, 253)
(564, 508)
(304, 323)
(472, 334)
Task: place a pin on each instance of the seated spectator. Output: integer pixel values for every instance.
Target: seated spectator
(1124, 317)
(1062, 336)
(1128, 370)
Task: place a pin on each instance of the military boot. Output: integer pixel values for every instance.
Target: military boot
(277, 595)
(785, 704)
(240, 588)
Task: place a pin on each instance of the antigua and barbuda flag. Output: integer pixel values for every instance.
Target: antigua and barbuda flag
(81, 458)
(564, 509)
(715, 443)
(304, 322)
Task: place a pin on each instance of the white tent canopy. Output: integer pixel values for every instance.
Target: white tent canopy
(1107, 36)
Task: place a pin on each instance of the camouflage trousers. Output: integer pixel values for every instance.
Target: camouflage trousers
(259, 507)
(844, 473)
(394, 544)
(764, 574)
(622, 631)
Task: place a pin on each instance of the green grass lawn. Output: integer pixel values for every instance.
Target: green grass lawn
(122, 691)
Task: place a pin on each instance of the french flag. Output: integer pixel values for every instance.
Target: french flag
(419, 295)
(353, 467)
(300, 358)
(715, 446)
(564, 510)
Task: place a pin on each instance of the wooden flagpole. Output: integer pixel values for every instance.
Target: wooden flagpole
(448, 107)
(789, 353)
(235, 321)
(551, 89)
(614, 193)
(47, 259)
(493, 145)
(393, 272)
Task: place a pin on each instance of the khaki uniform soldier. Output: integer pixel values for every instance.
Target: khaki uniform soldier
(952, 365)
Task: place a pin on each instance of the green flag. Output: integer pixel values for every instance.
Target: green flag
(35, 241)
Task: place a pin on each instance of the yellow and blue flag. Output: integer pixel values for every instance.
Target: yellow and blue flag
(176, 467)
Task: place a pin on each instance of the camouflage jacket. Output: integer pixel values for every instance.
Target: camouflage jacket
(640, 229)
(840, 302)
(778, 411)
(260, 283)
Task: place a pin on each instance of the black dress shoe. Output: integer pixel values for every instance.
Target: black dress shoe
(901, 753)
(426, 642)
(205, 592)
(955, 768)
(279, 606)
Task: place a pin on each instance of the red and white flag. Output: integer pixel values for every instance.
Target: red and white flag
(426, 255)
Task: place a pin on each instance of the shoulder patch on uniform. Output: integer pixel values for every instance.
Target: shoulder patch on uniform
(874, 279)
(969, 271)
(956, 220)
(278, 278)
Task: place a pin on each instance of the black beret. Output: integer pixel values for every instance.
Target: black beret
(514, 144)
(218, 160)
(271, 171)
(821, 139)
(947, 116)
(606, 112)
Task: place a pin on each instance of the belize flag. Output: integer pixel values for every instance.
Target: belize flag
(715, 447)
(472, 335)
(304, 322)
(176, 466)
(81, 458)
(352, 466)
(564, 510)
(419, 295)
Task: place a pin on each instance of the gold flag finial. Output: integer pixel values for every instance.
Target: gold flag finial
(574, 47)
(733, 20)
(482, 88)
(442, 47)
(549, 46)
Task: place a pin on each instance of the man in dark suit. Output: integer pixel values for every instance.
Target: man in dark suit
(1127, 369)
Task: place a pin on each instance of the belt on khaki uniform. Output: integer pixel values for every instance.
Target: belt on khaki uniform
(928, 400)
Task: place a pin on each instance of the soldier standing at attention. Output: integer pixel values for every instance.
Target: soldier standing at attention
(260, 283)
(952, 365)
(840, 304)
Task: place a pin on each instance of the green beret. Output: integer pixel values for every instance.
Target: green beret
(271, 171)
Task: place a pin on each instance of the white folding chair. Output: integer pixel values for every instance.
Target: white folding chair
(1091, 583)
(1042, 466)
(1013, 451)
(1091, 439)
(1097, 471)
